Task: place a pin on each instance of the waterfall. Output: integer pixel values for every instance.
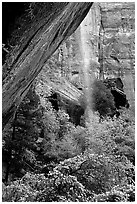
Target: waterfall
(85, 66)
(88, 39)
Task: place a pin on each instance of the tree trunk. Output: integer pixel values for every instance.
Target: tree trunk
(41, 40)
(10, 150)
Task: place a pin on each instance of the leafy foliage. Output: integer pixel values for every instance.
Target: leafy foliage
(19, 137)
(124, 193)
(102, 99)
(76, 179)
(57, 187)
(92, 163)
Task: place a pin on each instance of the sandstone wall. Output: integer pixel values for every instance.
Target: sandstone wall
(111, 43)
(118, 43)
(107, 36)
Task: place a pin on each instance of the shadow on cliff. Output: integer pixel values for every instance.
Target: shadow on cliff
(107, 98)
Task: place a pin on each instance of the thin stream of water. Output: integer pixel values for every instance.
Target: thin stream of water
(88, 78)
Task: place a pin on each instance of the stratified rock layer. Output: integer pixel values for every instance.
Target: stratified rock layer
(110, 40)
(107, 37)
(118, 43)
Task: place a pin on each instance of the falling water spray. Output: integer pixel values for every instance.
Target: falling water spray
(88, 38)
(87, 64)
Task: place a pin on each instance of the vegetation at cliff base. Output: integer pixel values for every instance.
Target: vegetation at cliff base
(51, 159)
(60, 141)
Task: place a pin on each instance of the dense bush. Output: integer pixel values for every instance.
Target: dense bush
(92, 163)
(109, 137)
(20, 136)
(82, 178)
(123, 193)
(102, 99)
(63, 140)
(96, 173)
(47, 135)
(37, 188)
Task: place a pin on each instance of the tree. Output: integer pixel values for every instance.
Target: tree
(38, 42)
(19, 138)
(102, 99)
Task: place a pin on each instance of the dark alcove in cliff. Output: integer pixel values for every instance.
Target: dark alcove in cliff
(117, 89)
(74, 111)
(108, 96)
(54, 101)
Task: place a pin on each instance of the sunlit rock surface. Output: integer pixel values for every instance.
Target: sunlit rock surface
(109, 42)
(118, 56)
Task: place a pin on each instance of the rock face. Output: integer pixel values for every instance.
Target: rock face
(105, 42)
(116, 86)
(37, 43)
(118, 43)
(102, 46)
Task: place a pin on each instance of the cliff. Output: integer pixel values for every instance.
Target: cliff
(103, 46)
(118, 43)
(39, 39)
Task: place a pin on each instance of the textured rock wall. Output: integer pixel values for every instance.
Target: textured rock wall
(118, 43)
(71, 52)
(111, 44)
(107, 34)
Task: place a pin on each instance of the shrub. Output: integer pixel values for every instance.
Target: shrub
(108, 136)
(123, 193)
(36, 188)
(102, 99)
(112, 136)
(78, 179)
(20, 135)
(96, 173)
(56, 144)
